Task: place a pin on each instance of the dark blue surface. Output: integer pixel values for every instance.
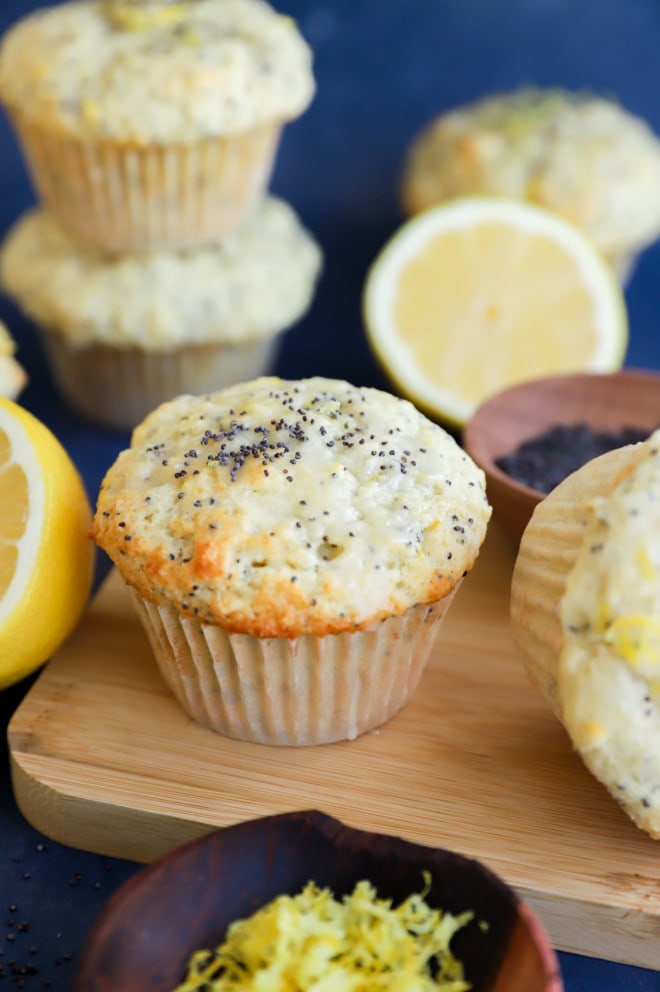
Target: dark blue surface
(384, 67)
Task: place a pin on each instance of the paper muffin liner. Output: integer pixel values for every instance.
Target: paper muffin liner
(302, 691)
(117, 387)
(548, 551)
(131, 198)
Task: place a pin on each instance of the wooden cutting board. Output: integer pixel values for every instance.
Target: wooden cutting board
(104, 759)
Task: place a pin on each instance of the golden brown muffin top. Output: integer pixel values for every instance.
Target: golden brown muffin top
(278, 508)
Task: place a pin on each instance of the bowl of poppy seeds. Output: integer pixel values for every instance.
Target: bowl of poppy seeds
(531, 436)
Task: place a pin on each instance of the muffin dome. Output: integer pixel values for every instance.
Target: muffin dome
(581, 156)
(256, 283)
(155, 71)
(279, 508)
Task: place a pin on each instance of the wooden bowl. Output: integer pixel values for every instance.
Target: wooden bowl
(184, 902)
(603, 401)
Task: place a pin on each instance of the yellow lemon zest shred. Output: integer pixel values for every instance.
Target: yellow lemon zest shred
(645, 564)
(126, 15)
(637, 639)
(314, 941)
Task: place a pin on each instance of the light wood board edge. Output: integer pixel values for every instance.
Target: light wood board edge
(609, 932)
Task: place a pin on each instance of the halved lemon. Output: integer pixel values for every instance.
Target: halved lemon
(472, 296)
(46, 555)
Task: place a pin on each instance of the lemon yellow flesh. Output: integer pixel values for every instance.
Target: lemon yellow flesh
(13, 513)
(46, 555)
(13, 503)
(477, 295)
(447, 321)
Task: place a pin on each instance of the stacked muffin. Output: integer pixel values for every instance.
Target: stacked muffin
(158, 263)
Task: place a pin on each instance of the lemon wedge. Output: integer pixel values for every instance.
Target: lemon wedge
(46, 556)
(470, 297)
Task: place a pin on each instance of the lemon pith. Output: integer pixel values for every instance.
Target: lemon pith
(473, 296)
(46, 556)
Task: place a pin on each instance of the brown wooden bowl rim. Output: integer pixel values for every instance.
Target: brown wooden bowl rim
(486, 460)
(329, 830)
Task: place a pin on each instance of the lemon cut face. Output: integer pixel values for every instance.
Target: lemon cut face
(473, 296)
(46, 555)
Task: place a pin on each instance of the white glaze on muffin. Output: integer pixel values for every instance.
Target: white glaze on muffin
(279, 508)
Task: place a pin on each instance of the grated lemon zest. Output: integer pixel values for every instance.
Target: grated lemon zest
(314, 942)
(637, 639)
(645, 564)
(125, 14)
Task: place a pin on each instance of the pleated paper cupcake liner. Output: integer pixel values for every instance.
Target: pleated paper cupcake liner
(547, 554)
(117, 387)
(126, 198)
(302, 691)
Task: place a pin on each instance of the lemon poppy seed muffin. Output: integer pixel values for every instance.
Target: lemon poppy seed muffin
(151, 123)
(124, 333)
(585, 607)
(576, 154)
(292, 547)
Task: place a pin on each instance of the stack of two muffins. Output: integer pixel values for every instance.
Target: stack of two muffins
(157, 263)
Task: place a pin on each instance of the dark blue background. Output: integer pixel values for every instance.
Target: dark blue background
(384, 68)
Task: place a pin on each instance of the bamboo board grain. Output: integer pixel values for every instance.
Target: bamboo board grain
(104, 759)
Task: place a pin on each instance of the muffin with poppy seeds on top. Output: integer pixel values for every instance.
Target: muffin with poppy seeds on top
(292, 548)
